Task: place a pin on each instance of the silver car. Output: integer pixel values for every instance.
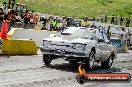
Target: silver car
(78, 44)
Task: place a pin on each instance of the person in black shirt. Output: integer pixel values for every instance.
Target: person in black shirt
(5, 16)
(127, 21)
(109, 32)
(121, 20)
(9, 4)
(13, 3)
(106, 18)
(113, 19)
(26, 21)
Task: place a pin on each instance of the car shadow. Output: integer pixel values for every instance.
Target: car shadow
(74, 68)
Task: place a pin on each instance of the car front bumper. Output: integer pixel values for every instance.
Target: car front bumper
(61, 53)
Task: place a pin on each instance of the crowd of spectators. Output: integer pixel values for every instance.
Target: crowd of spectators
(114, 19)
(59, 23)
(51, 22)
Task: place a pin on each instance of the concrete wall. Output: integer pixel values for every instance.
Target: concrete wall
(36, 35)
(106, 25)
(114, 28)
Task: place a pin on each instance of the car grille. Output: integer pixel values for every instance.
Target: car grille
(61, 51)
(62, 44)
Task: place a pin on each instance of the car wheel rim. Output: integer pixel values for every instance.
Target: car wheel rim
(91, 59)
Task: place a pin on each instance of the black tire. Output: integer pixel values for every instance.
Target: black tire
(89, 62)
(107, 64)
(81, 79)
(47, 59)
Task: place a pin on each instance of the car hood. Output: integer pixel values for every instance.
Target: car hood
(69, 39)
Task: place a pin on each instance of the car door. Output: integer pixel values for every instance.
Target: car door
(107, 46)
(103, 47)
(100, 46)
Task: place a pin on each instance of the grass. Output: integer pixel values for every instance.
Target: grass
(81, 8)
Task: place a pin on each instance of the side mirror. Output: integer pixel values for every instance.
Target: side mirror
(101, 41)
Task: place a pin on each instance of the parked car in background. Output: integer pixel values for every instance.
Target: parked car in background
(78, 44)
(73, 22)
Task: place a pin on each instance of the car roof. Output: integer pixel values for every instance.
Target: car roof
(73, 29)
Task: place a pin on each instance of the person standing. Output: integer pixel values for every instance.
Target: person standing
(54, 22)
(64, 23)
(26, 21)
(109, 32)
(116, 20)
(127, 21)
(102, 16)
(106, 18)
(9, 4)
(123, 34)
(98, 18)
(12, 21)
(35, 19)
(48, 24)
(5, 16)
(58, 25)
(44, 21)
(112, 19)
(121, 20)
(85, 22)
(13, 3)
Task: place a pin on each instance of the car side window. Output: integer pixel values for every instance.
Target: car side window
(99, 36)
(105, 38)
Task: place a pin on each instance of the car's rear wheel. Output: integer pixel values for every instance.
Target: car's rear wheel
(47, 59)
(108, 63)
(89, 62)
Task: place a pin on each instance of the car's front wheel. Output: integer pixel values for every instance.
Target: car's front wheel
(47, 59)
(108, 63)
(81, 79)
(89, 62)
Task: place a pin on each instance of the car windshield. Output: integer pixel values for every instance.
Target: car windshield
(79, 32)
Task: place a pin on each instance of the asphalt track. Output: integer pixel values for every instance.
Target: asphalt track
(30, 71)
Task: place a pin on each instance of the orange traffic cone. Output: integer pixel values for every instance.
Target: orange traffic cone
(3, 34)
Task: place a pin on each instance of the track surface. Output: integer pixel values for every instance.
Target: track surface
(29, 71)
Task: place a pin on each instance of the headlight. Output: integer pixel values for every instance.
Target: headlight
(79, 46)
(46, 43)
